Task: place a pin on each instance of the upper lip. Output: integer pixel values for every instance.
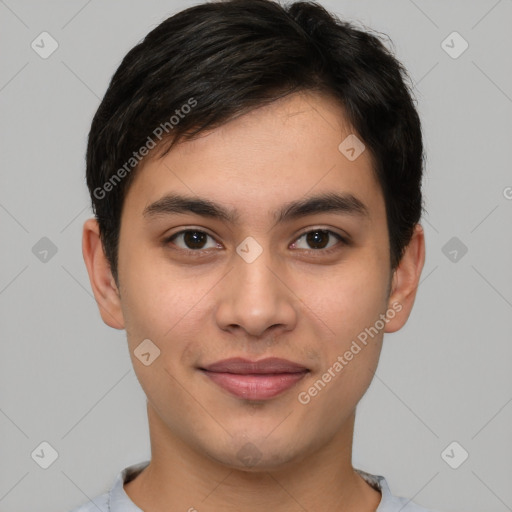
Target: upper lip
(269, 365)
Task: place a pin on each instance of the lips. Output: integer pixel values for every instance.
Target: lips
(244, 366)
(255, 380)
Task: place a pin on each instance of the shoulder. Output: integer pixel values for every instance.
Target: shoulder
(390, 502)
(395, 504)
(115, 500)
(99, 504)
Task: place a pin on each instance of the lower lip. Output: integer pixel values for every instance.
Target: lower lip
(255, 386)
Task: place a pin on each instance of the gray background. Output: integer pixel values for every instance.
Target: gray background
(66, 378)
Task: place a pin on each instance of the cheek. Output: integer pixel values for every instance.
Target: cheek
(348, 299)
(153, 299)
(169, 312)
(352, 303)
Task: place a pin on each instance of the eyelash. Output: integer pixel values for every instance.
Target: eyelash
(201, 252)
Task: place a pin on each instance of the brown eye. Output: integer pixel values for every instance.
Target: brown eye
(192, 240)
(318, 239)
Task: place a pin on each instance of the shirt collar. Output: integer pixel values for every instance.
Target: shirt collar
(118, 500)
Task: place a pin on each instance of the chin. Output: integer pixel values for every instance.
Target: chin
(256, 454)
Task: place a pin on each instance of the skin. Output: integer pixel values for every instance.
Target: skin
(303, 306)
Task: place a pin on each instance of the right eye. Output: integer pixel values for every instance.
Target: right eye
(191, 240)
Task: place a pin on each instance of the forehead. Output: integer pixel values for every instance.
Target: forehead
(290, 149)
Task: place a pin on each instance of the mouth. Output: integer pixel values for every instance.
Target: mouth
(255, 380)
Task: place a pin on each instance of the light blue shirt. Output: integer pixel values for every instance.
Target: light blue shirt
(116, 500)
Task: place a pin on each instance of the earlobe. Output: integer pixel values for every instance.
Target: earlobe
(405, 281)
(102, 281)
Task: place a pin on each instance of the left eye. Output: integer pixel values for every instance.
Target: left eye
(318, 239)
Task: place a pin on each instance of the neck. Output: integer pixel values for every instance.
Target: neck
(181, 478)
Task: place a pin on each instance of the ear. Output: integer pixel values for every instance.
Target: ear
(406, 280)
(100, 275)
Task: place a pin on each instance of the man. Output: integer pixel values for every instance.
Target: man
(255, 172)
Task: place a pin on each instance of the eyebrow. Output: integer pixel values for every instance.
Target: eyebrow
(345, 204)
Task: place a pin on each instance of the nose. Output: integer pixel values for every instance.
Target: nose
(255, 297)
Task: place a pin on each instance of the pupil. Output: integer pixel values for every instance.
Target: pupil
(314, 239)
(194, 239)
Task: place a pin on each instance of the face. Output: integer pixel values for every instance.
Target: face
(252, 275)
